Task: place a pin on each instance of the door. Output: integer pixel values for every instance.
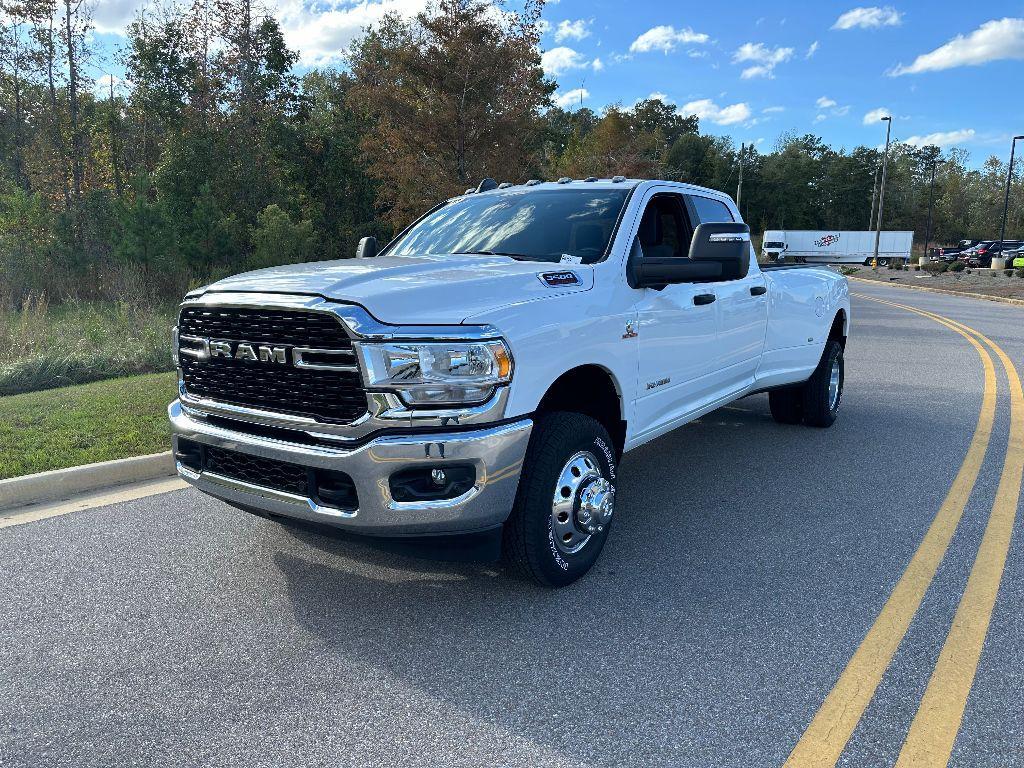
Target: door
(742, 311)
(678, 325)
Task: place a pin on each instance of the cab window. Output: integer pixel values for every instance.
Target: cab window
(709, 210)
(664, 228)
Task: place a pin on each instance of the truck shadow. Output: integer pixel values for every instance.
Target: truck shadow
(720, 574)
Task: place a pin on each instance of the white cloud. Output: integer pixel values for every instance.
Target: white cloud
(773, 110)
(812, 49)
(597, 65)
(829, 108)
(665, 39)
(112, 16)
(101, 85)
(867, 18)
(941, 138)
(571, 98)
(572, 30)
(659, 96)
(993, 40)
(322, 34)
(875, 115)
(706, 109)
(560, 60)
(765, 59)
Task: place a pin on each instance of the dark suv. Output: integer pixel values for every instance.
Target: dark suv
(981, 255)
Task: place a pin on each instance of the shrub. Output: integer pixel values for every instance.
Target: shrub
(44, 346)
(956, 266)
(935, 267)
(1020, 272)
(1008, 272)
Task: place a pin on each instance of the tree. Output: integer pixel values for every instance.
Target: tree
(450, 97)
(279, 240)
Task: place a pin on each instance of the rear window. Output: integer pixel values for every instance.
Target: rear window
(709, 210)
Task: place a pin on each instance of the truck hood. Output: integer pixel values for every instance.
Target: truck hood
(403, 290)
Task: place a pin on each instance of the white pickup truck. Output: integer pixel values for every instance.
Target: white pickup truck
(490, 366)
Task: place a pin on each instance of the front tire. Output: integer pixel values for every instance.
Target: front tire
(563, 508)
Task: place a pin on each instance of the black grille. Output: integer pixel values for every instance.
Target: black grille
(330, 487)
(328, 396)
(267, 326)
(269, 473)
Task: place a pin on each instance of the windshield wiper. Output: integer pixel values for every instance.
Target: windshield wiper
(516, 256)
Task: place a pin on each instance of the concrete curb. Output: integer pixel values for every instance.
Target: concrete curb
(1000, 299)
(64, 483)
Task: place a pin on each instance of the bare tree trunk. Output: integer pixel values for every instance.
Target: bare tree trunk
(115, 149)
(77, 151)
(57, 134)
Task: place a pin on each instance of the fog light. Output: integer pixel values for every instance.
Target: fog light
(432, 483)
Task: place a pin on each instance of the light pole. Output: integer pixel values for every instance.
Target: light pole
(931, 200)
(881, 192)
(739, 185)
(874, 200)
(1006, 197)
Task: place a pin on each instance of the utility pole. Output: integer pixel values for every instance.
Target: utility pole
(739, 184)
(881, 192)
(874, 201)
(1006, 197)
(931, 200)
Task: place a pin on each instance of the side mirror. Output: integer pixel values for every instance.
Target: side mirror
(724, 243)
(367, 248)
(658, 271)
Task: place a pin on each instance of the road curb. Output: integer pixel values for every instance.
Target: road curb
(60, 484)
(999, 299)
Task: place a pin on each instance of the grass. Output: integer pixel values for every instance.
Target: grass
(76, 425)
(44, 346)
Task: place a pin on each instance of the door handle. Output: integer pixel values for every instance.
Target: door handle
(704, 298)
(759, 290)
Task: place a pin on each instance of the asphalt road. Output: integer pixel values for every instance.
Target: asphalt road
(747, 563)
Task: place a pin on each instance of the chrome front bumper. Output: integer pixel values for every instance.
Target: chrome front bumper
(496, 453)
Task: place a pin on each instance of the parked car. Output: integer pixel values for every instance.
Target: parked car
(490, 367)
(1016, 258)
(981, 255)
(951, 253)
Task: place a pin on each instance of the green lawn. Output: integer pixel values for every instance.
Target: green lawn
(76, 425)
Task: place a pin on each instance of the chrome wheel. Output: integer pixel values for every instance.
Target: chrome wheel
(833, 385)
(582, 504)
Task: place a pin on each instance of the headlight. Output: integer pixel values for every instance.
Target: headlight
(437, 372)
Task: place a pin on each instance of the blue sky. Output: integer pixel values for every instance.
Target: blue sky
(949, 72)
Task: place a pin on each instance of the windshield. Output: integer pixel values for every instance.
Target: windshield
(535, 225)
(773, 245)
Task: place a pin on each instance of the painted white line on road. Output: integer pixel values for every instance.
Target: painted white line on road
(102, 498)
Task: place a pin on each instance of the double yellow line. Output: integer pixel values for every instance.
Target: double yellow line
(933, 731)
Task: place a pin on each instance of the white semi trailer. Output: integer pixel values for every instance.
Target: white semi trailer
(834, 247)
